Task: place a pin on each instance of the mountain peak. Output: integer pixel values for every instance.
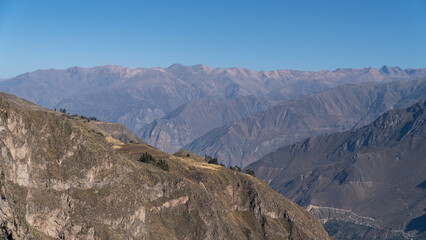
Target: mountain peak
(176, 66)
(201, 67)
(197, 68)
(389, 70)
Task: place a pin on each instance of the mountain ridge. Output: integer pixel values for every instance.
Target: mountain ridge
(63, 178)
(193, 119)
(362, 172)
(338, 109)
(103, 91)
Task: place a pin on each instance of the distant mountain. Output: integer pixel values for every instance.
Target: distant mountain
(307, 84)
(135, 97)
(368, 183)
(338, 109)
(196, 118)
(62, 178)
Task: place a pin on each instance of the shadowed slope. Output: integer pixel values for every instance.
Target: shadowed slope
(371, 176)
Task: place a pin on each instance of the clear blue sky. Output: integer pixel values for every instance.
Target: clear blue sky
(260, 35)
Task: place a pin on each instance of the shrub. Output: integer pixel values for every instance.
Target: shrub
(236, 168)
(84, 117)
(148, 158)
(211, 160)
(162, 164)
(250, 172)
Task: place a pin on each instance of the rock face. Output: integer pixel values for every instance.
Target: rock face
(135, 97)
(196, 118)
(60, 178)
(368, 183)
(338, 109)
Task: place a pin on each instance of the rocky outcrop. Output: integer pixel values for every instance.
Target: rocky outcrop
(365, 183)
(61, 178)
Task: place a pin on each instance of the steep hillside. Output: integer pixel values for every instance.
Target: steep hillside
(196, 118)
(135, 97)
(338, 109)
(60, 178)
(369, 183)
(117, 131)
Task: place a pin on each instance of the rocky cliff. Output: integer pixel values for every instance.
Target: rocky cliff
(62, 178)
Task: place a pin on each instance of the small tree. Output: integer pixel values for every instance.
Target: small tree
(213, 161)
(210, 160)
(147, 158)
(250, 172)
(162, 164)
(236, 168)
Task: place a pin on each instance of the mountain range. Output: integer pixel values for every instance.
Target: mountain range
(367, 183)
(338, 109)
(191, 120)
(136, 97)
(70, 176)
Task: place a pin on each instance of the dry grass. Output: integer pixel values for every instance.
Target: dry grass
(200, 164)
(140, 148)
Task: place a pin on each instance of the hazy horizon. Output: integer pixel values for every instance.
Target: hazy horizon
(143, 67)
(271, 35)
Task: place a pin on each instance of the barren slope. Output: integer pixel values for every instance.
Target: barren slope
(62, 178)
(370, 182)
